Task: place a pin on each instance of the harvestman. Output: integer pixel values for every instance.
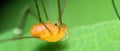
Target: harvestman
(48, 33)
(51, 32)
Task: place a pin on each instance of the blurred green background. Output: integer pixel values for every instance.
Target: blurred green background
(93, 25)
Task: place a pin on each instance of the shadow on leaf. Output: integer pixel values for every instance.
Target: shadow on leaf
(57, 46)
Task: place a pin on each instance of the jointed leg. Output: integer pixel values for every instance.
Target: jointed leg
(116, 11)
(43, 6)
(19, 30)
(38, 11)
(59, 12)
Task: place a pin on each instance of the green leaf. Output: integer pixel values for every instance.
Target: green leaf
(104, 36)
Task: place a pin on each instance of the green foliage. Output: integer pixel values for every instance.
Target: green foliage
(80, 16)
(104, 36)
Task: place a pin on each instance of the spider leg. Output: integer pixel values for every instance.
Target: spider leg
(19, 30)
(43, 6)
(16, 38)
(116, 11)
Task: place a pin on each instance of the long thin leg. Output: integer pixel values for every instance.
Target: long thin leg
(39, 16)
(21, 27)
(59, 12)
(45, 15)
(34, 14)
(16, 38)
(44, 10)
(63, 6)
(24, 17)
(116, 11)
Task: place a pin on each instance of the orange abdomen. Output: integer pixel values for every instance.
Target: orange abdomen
(51, 34)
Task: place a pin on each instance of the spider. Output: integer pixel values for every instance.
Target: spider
(48, 31)
(51, 32)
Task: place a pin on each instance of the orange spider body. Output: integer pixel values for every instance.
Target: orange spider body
(52, 33)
